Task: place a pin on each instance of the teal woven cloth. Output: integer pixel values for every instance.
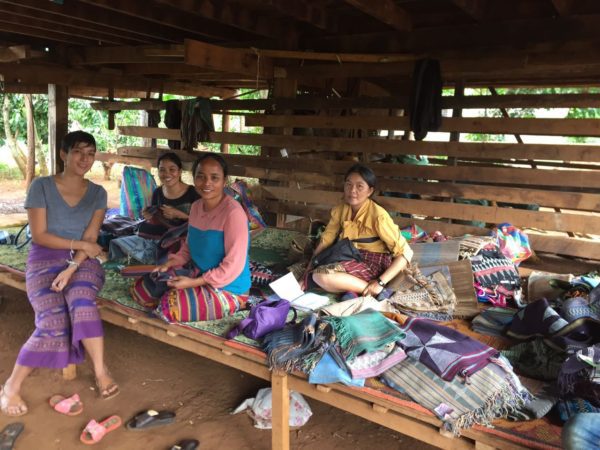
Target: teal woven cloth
(367, 331)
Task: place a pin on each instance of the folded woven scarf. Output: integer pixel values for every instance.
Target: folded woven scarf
(568, 408)
(367, 331)
(445, 351)
(536, 359)
(493, 392)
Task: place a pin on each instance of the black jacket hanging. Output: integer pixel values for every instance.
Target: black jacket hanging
(425, 107)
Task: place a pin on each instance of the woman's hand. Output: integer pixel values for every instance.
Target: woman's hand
(373, 289)
(181, 282)
(91, 249)
(170, 213)
(146, 214)
(162, 268)
(62, 279)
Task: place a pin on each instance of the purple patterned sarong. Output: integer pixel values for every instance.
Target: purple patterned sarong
(62, 319)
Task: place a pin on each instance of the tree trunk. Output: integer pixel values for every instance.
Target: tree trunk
(13, 146)
(30, 140)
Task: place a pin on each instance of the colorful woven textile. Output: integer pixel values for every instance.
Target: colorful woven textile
(62, 319)
(491, 393)
(472, 245)
(367, 331)
(328, 371)
(137, 186)
(372, 265)
(493, 321)
(199, 304)
(497, 279)
(513, 242)
(260, 275)
(445, 351)
(373, 364)
(568, 408)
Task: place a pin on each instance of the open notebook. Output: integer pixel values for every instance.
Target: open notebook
(288, 289)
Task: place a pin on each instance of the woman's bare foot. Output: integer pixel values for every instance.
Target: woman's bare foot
(11, 403)
(106, 385)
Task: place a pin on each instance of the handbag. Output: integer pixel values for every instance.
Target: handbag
(342, 250)
(265, 317)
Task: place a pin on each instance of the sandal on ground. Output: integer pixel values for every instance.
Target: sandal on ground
(94, 431)
(186, 444)
(4, 405)
(110, 391)
(150, 419)
(9, 435)
(70, 406)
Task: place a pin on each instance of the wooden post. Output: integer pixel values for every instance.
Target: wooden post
(280, 434)
(58, 123)
(30, 140)
(225, 129)
(459, 92)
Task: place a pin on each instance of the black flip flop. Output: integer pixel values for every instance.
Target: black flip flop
(186, 444)
(150, 419)
(9, 435)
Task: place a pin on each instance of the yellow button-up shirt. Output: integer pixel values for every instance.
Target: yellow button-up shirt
(371, 220)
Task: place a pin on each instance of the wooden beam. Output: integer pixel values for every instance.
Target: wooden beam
(58, 124)
(385, 11)
(172, 18)
(18, 52)
(37, 73)
(22, 17)
(97, 18)
(336, 57)
(474, 8)
(225, 59)
(500, 176)
(563, 7)
(46, 35)
(306, 12)
(238, 16)
(485, 125)
(131, 54)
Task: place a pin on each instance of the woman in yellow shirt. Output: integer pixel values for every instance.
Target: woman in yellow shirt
(360, 217)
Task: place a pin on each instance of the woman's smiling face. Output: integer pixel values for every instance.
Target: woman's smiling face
(209, 179)
(168, 173)
(356, 190)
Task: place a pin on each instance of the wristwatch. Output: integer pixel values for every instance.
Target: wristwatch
(380, 282)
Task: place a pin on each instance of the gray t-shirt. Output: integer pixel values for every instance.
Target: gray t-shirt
(63, 220)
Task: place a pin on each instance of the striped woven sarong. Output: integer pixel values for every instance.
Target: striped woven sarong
(137, 186)
(372, 265)
(62, 319)
(199, 304)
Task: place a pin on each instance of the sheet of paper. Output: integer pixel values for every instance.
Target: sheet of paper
(287, 287)
(310, 301)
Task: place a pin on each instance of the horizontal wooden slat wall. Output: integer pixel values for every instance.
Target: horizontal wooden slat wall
(562, 179)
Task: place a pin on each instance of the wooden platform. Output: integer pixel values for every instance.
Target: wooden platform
(402, 416)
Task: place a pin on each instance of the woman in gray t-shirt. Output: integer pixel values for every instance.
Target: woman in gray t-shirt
(63, 276)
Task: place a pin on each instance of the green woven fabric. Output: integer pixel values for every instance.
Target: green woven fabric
(367, 331)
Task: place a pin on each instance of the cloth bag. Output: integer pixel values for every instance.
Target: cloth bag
(342, 250)
(265, 317)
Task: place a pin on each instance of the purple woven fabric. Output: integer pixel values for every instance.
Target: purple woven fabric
(443, 350)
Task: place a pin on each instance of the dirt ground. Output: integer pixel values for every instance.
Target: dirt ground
(154, 375)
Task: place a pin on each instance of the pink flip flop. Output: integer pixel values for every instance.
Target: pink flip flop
(70, 406)
(94, 431)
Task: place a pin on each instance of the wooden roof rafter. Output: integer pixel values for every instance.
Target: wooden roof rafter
(386, 11)
(95, 18)
(474, 8)
(170, 17)
(303, 12)
(239, 17)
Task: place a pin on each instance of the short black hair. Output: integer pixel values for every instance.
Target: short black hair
(76, 137)
(366, 174)
(170, 156)
(214, 156)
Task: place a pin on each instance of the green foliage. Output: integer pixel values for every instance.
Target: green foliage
(17, 120)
